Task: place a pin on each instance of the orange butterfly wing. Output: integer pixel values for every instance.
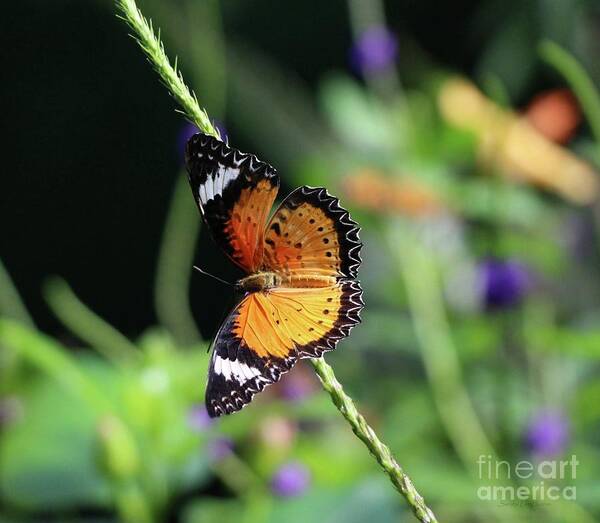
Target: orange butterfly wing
(268, 331)
(311, 234)
(234, 192)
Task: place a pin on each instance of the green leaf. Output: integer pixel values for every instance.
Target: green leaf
(47, 355)
(48, 457)
(315, 505)
(385, 330)
(370, 500)
(358, 119)
(210, 510)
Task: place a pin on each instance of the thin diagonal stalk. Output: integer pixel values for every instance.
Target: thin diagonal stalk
(367, 435)
(439, 355)
(442, 365)
(53, 359)
(153, 48)
(151, 44)
(173, 268)
(578, 79)
(586, 92)
(86, 324)
(11, 304)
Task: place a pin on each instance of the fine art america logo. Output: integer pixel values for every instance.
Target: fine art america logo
(526, 481)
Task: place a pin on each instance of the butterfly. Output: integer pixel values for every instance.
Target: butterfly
(299, 295)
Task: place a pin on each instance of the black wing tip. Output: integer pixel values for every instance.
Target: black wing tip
(348, 229)
(204, 148)
(223, 405)
(227, 402)
(199, 142)
(225, 397)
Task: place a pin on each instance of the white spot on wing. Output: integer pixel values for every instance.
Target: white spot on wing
(236, 370)
(217, 364)
(208, 187)
(216, 184)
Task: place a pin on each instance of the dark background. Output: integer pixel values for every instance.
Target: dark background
(482, 294)
(90, 136)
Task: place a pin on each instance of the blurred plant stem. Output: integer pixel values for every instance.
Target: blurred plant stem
(243, 481)
(11, 305)
(175, 260)
(364, 15)
(579, 81)
(54, 360)
(131, 503)
(586, 92)
(207, 51)
(424, 291)
(87, 325)
(120, 458)
(368, 436)
(154, 50)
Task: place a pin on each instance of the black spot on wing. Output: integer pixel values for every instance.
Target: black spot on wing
(225, 396)
(346, 228)
(348, 316)
(275, 227)
(218, 174)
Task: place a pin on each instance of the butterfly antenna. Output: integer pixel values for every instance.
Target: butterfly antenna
(212, 276)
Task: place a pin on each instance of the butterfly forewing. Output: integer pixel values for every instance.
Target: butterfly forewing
(234, 192)
(310, 233)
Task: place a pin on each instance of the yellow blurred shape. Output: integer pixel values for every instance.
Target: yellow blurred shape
(515, 146)
(372, 190)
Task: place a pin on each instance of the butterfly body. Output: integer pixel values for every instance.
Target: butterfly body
(260, 281)
(299, 296)
(263, 281)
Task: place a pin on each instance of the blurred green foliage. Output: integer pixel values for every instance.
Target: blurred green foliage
(98, 427)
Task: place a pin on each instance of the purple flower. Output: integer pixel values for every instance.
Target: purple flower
(11, 410)
(547, 434)
(222, 130)
(291, 479)
(219, 449)
(297, 385)
(198, 418)
(374, 50)
(578, 237)
(503, 283)
(295, 390)
(185, 133)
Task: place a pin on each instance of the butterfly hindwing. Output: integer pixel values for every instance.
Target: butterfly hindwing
(234, 192)
(310, 233)
(268, 331)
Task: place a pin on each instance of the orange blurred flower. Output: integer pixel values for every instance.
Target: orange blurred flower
(555, 114)
(277, 432)
(369, 188)
(515, 146)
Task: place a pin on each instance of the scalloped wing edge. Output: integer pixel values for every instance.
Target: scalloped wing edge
(272, 371)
